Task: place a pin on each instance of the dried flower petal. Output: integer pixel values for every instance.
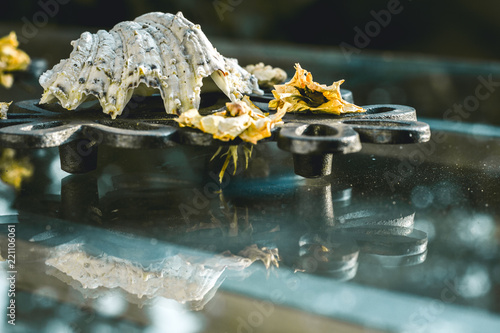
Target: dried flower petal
(302, 94)
(241, 119)
(11, 59)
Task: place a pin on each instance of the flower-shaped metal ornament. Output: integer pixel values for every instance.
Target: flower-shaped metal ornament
(311, 138)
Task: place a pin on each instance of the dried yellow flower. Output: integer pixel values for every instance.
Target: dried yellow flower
(13, 171)
(11, 59)
(240, 119)
(302, 94)
(269, 256)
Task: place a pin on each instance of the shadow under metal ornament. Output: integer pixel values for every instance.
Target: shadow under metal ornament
(313, 139)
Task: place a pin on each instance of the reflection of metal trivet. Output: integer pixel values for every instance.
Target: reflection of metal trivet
(316, 228)
(312, 139)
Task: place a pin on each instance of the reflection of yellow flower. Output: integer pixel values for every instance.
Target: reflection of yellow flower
(269, 256)
(13, 171)
(11, 59)
(301, 93)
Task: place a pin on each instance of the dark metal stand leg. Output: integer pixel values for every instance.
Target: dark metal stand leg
(313, 166)
(78, 156)
(314, 204)
(80, 198)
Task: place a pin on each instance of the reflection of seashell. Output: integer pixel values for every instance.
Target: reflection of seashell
(156, 51)
(188, 280)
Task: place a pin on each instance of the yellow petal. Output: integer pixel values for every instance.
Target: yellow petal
(302, 94)
(11, 59)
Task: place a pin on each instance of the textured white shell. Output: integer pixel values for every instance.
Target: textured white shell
(156, 51)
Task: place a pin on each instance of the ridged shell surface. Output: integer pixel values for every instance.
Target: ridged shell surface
(156, 51)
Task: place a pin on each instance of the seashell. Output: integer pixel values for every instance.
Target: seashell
(156, 51)
(267, 75)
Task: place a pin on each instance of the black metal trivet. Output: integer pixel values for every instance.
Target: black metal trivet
(311, 138)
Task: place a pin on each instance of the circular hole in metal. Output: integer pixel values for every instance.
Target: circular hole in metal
(319, 130)
(380, 109)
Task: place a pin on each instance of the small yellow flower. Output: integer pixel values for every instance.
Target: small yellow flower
(11, 59)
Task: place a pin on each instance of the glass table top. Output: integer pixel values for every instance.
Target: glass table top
(400, 238)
